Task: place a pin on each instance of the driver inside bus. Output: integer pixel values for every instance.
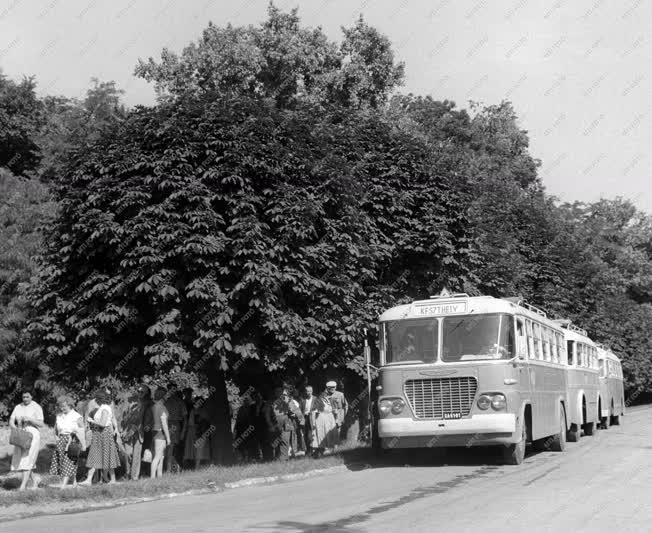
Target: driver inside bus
(408, 347)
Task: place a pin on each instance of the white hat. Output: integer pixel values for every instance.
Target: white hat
(331, 384)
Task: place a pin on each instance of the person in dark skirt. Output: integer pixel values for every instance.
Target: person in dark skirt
(103, 452)
(70, 433)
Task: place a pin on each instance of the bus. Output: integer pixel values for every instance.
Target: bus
(460, 371)
(582, 380)
(612, 393)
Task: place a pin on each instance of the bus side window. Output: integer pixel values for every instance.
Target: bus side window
(571, 353)
(545, 347)
(538, 351)
(561, 348)
(554, 346)
(530, 339)
(521, 339)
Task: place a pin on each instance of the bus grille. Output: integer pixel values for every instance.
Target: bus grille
(441, 397)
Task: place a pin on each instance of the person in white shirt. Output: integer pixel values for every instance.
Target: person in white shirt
(27, 415)
(70, 430)
(306, 405)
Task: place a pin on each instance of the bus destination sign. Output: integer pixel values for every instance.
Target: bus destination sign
(448, 308)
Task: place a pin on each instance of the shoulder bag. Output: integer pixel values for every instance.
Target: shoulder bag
(20, 438)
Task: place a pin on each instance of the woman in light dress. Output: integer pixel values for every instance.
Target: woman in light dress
(103, 452)
(69, 428)
(27, 415)
(324, 435)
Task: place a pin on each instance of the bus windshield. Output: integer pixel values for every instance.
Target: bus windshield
(477, 337)
(412, 341)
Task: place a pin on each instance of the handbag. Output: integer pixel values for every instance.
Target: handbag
(147, 456)
(74, 448)
(20, 438)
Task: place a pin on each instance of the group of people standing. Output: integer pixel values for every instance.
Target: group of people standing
(284, 426)
(169, 430)
(158, 429)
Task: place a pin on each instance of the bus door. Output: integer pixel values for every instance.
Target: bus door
(523, 365)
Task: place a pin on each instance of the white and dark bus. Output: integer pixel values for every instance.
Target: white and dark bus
(612, 393)
(582, 381)
(464, 371)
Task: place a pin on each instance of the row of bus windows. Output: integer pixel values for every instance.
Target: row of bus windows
(612, 370)
(545, 344)
(541, 342)
(580, 354)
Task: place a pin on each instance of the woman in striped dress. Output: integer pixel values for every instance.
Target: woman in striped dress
(69, 428)
(103, 452)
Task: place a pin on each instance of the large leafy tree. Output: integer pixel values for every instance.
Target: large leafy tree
(71, 124)
(21, 116)
(236, 235)
(280, 60)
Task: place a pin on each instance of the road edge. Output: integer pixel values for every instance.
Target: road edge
(83, 507)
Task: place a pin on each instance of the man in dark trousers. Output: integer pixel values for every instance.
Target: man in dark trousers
(306, 405)
(278, 416)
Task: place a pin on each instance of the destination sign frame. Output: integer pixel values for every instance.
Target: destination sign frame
(442, 308)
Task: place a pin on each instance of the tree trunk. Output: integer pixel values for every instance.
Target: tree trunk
(217, 405)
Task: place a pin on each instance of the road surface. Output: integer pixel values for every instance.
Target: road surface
(602, 483)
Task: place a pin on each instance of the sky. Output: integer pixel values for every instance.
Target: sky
(577, 71)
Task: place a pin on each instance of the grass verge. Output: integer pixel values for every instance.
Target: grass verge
(51, 500)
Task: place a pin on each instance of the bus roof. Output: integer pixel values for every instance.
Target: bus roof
(462, 304)
(579, 335)
(606, 353)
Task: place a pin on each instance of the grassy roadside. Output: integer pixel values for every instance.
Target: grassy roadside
(49, 499)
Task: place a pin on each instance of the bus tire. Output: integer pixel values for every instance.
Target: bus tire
(606, 422)
(589, 429)
(615, 420)
(558, 441)
(514, 454)
(573, 433)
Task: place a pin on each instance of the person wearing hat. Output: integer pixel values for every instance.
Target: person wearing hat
(339, 404)
(322, 421)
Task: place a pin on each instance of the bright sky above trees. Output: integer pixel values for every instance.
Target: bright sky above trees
(577, 72)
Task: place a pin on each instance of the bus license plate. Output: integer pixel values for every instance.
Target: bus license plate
(448, 416)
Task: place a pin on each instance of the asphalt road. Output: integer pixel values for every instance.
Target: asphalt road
(602, 483)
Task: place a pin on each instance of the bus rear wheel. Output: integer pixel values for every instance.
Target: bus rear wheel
(589, 429)
(606, 422)
(558, 442)
(515, 453)
(573, 433)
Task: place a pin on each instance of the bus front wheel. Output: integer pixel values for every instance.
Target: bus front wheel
(515, 453)
(574, 433)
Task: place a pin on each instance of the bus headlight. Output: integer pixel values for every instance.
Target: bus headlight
(397, 406)
(384, 407)
(498, 402)
(484, 402)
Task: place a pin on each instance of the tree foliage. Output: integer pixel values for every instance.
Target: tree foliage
(21, 116)
(282, 61)
(25, 204)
